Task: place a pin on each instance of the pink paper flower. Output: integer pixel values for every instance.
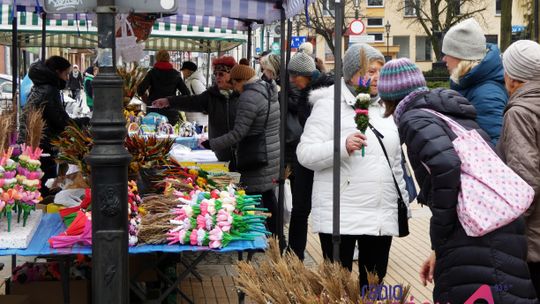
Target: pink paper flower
(193, 237)
(201, 221)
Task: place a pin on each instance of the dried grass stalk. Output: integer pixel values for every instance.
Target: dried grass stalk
(7, 125)
(154, 227)
(35, 126)
(285, 280)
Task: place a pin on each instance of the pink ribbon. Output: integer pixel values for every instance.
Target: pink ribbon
(361, 111)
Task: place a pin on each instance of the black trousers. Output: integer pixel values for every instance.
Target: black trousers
(49, 168)
(534, 269)
(301, 208)
(269, 201)
(373, 252)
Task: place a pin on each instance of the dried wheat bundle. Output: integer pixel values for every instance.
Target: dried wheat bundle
(34, 126)
(6, 129)
(285, 280)
(157, 204)
(154, 228)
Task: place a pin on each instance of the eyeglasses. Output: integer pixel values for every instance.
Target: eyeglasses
(219, 74)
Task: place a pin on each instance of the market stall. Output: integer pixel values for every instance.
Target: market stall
(108, 157)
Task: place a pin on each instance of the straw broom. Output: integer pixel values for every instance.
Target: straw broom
(285, 280)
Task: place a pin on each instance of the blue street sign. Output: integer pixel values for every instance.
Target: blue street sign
(517, 28)
(257, 50)
(296, 41)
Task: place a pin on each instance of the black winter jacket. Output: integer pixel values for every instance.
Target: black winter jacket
(163, 82)
(221, 110)
(46, 94)
(463, 263)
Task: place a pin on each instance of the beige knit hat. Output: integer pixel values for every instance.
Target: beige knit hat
(242, 72)
(521, 60)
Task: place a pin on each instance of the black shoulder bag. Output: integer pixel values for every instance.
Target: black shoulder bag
(251, 152)
(403, 218)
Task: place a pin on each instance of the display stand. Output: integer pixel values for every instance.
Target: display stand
(19, 236)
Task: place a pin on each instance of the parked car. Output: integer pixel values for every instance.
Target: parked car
(6, 94)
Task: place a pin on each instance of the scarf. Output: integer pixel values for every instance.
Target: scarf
(162, 65)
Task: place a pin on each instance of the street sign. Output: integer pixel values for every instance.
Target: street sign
(296, 41)
(357, 27)
(276, 48)
(517, 28)
(121, 6)
(257, 50)
(361, 39)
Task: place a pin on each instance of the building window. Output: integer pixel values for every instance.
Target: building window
(375, 3)
(404, 43)
(328, 55)
(329, 7)
(497, 7)
(423, 48)
(375, 22)
(409, 8)
(378, 37)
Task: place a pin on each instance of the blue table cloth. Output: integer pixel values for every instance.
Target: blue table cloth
(51, 224)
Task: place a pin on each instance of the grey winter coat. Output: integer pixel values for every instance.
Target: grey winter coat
(520, 148)
(250, 117)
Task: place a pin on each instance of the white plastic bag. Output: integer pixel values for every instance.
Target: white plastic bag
(126, 45)
(287, 201)
(69, 197)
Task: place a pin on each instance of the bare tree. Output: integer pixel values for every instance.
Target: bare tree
(322, 19)
(506, 23)
(438, 16)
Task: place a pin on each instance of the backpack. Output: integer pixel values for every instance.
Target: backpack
(491, 194)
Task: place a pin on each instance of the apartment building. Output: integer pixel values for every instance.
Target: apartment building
(406, 37)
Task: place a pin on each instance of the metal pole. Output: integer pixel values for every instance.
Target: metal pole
(262, 37)
(536, 20)
(387, 43)
(336, 240)
(283, 125)
(249, 42)
(109, 164)
(14, 57)
(208, 69)
(43, 35)
(267, 39)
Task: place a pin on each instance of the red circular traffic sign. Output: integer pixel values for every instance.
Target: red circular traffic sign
(357, 27)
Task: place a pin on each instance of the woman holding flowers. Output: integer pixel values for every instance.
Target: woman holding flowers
(369, 213)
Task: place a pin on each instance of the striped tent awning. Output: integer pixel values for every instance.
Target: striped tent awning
(212, 12)
(203, 21)
(83, 34)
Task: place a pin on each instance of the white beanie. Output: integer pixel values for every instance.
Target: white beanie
(521, 60)
(465, 40)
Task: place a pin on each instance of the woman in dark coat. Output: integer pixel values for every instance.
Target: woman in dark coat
(460, 264)
(49, 79)
(251, 116)
(162, 81)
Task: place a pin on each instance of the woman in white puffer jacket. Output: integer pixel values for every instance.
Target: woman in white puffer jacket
(368, 195)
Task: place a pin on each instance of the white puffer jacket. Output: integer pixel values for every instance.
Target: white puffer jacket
(195, 84)
(368, 194)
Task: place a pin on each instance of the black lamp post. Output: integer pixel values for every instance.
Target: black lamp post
(387, 27)
(109, 162)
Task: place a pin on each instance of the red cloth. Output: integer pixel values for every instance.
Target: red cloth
(160, 65)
